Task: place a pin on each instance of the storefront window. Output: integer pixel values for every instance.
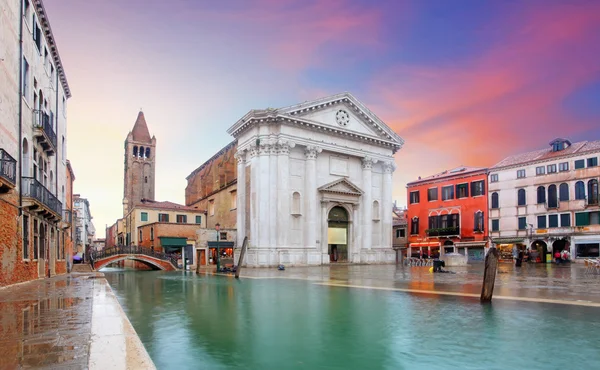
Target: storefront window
(588, 249)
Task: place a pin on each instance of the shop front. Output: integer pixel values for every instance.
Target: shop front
(474, 250)
(224, 250)
(506, 245)
(179, 247)
(586, 246)
(424, 250)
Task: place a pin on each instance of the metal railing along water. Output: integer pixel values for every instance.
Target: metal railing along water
(412, 261)
(134, 249)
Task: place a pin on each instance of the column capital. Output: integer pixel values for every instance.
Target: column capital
(253, 149)
(240, 155)
(312, 151)
(324, 203)
(389, 167)
(264, 148)
(368, 162)
(284, 146)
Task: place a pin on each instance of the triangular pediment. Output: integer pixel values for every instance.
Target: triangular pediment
(341, 186)
(343, 111)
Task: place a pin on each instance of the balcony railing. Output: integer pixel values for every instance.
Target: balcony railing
(593, 200)
(43, 127)
(443, 231)
(8, 168)
(35, 190)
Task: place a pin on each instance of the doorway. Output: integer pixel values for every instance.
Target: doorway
(337, 234)
(42, 251)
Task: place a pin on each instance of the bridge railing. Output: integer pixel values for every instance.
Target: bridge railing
(134, 249)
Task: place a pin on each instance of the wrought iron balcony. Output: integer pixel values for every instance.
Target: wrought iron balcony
(8, 171)
(443, 231)
(44, 132)
(41, 198)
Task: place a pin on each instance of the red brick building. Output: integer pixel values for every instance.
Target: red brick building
(447, 212)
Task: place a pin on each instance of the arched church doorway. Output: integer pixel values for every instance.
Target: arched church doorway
(337, 234)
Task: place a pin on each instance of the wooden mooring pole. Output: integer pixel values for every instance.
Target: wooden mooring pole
(489, 275)
(242, 253)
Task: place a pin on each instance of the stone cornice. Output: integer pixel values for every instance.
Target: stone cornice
(332, 147)
(49, 36)
(556, 159)
(315, 126)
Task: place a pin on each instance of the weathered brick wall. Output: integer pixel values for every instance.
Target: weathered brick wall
(166, 229)
(12, 267)
(215, 180)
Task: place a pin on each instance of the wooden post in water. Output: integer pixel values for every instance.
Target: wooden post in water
(489, 275)
(242, 253)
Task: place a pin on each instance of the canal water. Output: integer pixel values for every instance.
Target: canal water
(213, 322)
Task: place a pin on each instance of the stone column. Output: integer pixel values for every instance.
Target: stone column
(264, 194)
(310, 194)
(324, 233)
(356, 240)
(386, 205)
(241, 197)
(273, 194)
(367, 202)
(283, 192)
(254, 194)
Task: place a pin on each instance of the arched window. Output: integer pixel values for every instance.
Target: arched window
(579, 190)
(593, 191)
(25, 160)
(541, 195)
(135, 151)
(296, 202)
(495, 204)
(522, 199)
(141, 152)
(141, 237)
(478, 221)
(375, 210)
(414, 226)
(146, 179)
(552, 197)
(151, 233)
(563, 191)
(147, 152)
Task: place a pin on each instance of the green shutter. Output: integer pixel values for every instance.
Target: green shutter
(144, 216)
(582, 219)
(198, 219)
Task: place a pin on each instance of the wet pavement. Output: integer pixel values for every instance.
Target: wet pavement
(569, 284)
(56, 323)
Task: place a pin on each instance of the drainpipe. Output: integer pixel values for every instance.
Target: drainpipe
(21, 109)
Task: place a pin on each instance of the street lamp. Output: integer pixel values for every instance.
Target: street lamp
(218, 227)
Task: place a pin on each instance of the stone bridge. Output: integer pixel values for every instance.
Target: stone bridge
(161, 261)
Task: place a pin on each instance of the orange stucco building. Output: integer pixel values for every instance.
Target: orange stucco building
(447, 212)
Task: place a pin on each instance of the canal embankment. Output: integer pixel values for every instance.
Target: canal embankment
(70, 321)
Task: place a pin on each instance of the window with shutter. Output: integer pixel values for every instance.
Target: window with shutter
(579, 190)
(495, 201)
(495, 225)
(552, 220)
(565, 220)
(582, 219)
(563, 191)
(522, 223)
(541, 222)
(521, 197)
(541, 195)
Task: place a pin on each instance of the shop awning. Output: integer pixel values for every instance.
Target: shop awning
(426, 244)
(169, 241)
(507, 240)
(470, 244)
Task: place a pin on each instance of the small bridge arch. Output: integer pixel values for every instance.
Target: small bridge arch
(105, 257)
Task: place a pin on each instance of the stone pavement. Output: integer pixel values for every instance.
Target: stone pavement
(567, 284)
(67, 322)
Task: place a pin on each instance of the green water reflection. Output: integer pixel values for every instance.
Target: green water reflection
(204, 322)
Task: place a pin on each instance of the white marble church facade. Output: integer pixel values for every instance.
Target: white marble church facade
(315, 183)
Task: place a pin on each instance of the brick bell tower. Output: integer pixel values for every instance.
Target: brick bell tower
(140, 165)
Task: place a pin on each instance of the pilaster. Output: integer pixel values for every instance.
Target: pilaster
(283, 191)
(264, 220)
(254, 195)
(241, 197)
(367, 214)
(310, 188)
(386, 205)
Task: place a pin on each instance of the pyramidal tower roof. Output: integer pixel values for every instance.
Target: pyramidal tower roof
(140, 129)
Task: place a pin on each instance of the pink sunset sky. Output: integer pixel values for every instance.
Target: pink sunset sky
(463, 82)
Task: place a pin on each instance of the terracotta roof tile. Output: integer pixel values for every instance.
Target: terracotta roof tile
(544, 154)
(461, 170)
(168, 205)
